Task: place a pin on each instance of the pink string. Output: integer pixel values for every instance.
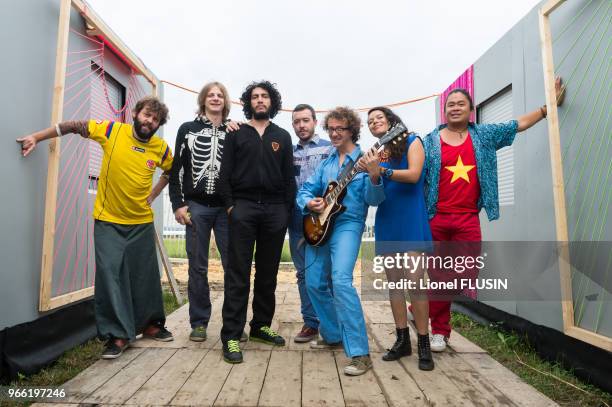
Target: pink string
(85, 77)
(73, 245)
(72, 99)
(70, 200)
(86, 51)
(87, 37)
(72, 166)
(89, 58)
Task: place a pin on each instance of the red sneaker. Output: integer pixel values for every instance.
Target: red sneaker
(307, 334)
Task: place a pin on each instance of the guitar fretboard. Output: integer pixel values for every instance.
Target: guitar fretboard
(345, 180)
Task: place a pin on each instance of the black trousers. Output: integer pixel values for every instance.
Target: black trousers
(260, 225)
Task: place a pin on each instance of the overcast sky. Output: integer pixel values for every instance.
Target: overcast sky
(325, 53)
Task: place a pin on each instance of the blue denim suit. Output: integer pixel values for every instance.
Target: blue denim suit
(337, 304)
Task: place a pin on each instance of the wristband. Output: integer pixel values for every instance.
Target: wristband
(543, 110)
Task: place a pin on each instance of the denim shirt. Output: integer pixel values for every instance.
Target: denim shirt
(361, 193)
(307, 157)
(487, 139)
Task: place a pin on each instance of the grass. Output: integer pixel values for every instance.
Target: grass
(504, 347)
(176, 249)
(73, 362)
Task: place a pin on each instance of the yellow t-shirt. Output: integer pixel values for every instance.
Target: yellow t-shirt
(126, 174)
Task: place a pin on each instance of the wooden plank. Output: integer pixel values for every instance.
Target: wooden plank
(96, 22)
(168, 267)
(283, 382)
(397, 385)
(320, 382)
(96, 375)
(471, 383)
(205, 383)
(57, 112)
(551, 6)
(244, 383)
(460, 344)
(591, 337)
(167, 381)
(556, 161)
(505, 381)
(127, 382)
(69, 298)
(439, 390)
(289, 330)
(359, 390)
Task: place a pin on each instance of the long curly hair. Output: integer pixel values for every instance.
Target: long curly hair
(398, 150)
(275, 98)
(353, 122)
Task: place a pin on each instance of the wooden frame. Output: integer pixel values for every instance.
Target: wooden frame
(567, 304)
(95, 26)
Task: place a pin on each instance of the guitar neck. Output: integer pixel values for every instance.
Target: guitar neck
(346, 179)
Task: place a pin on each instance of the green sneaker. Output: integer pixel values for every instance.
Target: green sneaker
(265, 334)
(358, 366)
(198, 334)
(231, 351)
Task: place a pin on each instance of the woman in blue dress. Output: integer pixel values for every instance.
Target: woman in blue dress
(402, 228)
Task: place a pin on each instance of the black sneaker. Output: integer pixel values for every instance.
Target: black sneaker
(162, 335)
(265, 334)
(112, 350)
(231, 351)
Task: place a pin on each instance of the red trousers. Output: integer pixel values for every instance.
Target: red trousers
(451, 227)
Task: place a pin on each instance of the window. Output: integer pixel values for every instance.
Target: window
(498, 109)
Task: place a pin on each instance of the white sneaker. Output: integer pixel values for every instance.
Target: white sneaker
(438, 343)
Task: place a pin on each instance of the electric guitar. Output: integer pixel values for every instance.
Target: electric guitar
(318, 226)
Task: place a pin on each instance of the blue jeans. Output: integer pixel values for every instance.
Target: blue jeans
(297, 245)
(338, 307)
(197, 239)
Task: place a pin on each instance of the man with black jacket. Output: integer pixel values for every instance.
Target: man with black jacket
(257, 186)
(194, 193)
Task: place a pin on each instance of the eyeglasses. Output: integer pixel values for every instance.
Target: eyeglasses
(331, 130)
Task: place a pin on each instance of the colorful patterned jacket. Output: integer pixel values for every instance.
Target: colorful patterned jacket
(487, 139)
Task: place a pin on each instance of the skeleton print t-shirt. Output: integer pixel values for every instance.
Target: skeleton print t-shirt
(195, 173)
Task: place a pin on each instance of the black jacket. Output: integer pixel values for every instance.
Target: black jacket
(195, 171)
(258, 168)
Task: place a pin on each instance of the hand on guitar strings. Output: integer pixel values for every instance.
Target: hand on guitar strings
(316, 205)
(371, 162)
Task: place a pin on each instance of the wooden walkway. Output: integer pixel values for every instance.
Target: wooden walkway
(182, 372)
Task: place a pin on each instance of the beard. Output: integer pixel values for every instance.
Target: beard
(265, 115)
(140, 132)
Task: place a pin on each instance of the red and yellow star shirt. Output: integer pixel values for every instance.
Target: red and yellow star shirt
(126, 174)
(459, 187)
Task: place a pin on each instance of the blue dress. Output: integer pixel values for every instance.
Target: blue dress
(402, 224)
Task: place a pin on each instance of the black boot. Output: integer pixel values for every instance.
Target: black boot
(425, 359)
(401, 347)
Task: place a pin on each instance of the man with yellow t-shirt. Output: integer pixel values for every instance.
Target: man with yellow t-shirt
(128, 298)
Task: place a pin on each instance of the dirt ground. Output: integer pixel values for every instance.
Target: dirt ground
(286, 274)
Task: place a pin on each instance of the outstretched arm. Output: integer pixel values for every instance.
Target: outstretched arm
(527, 120)
(29, 142)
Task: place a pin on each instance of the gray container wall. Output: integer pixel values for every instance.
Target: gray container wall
(516, 60)
(27, 80)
